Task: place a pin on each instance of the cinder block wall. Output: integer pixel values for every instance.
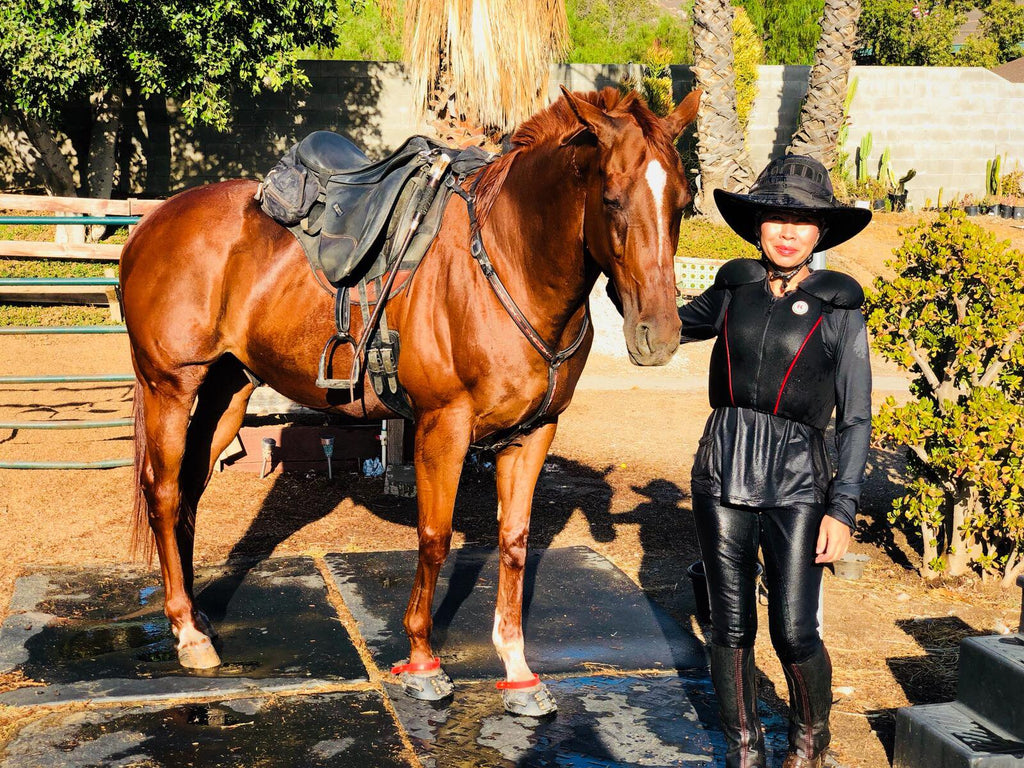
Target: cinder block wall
(945, 122)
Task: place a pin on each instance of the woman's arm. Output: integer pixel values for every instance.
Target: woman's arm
(853, 414)
(702, 317)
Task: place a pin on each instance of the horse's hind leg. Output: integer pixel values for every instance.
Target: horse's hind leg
(218, 415)
(165, 410)
(518, 468)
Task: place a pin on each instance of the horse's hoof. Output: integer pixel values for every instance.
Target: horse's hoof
(426, 682)
(530, 700)
(198, 655)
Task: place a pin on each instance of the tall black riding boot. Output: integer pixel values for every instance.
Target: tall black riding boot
(732, 672)
(810, 701)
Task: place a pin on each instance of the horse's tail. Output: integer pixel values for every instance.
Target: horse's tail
(142, 536)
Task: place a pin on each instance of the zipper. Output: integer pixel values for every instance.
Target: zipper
(764, 335)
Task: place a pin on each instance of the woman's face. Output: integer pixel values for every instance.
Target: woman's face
(788, 239)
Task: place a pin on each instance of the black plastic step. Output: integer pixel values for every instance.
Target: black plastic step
(992, 679)
(952, 736)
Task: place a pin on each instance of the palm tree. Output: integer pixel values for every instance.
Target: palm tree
(721, 151)
(483, 62)
(821, 115)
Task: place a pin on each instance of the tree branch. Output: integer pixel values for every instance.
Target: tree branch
(998, 361)
(922, 363)
(920, 452)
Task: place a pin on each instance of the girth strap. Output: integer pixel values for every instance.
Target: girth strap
(553, 358)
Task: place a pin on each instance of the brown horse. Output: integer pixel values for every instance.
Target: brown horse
(212, 287)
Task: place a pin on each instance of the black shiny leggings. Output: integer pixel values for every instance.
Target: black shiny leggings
(729, 539)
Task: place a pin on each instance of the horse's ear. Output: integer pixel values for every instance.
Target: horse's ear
(592, 118)
(684, 114)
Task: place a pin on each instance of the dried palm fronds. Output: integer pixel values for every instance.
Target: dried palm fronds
(487, 59)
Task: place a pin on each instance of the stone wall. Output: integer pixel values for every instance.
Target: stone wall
(945, 122)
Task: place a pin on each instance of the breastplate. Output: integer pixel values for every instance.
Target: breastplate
(770, 357)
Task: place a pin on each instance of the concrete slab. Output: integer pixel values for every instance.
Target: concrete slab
(100, 634)
(606, 721)
(579, 611)
(353, 729)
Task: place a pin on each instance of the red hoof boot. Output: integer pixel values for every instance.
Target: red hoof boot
(527, 698)
(425, 681)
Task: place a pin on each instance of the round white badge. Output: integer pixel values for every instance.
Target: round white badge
(800, 308)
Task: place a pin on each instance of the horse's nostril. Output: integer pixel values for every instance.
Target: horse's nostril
(643, 338)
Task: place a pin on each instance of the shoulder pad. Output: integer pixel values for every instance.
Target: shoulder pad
(737, 272)
(835, 288)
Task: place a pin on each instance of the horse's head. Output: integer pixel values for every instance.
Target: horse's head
(636, 192)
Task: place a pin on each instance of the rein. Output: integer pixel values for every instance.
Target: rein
(553, 358)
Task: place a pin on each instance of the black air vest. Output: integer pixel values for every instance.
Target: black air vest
(769, 356)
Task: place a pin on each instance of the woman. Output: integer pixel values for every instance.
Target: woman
(791, 346)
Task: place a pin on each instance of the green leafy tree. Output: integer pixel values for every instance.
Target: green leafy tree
(1003, 22)
(978, 51)
(620, 31)
(788, 28)
(57, 55)
(365, 31)
(907, 33)
(954, 315)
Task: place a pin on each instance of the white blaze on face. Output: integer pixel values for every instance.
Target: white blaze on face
(656, 179)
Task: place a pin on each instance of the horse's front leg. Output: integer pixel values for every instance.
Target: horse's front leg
(442, 439)
(518, 468)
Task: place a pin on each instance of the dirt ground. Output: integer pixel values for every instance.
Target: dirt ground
(617, 480)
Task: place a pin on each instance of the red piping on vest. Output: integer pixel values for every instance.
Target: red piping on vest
(728, 359)
(791, 365)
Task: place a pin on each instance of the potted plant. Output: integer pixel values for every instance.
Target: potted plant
(1018, 208)
(1006, 206)
(971, 207)
(898, 197)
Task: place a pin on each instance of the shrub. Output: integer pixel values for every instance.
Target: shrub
(703, 239)
(955, 315)
(749, 50)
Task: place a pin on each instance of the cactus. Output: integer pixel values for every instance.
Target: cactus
(902, 183)
(989, 186)
(862, 157)
(884, 167)
(938, 202)
(997, 179)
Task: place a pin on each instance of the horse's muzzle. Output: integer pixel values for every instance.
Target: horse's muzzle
(652, 343)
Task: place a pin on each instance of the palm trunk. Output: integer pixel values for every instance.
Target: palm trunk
(821, 115)
(721, 151)
(47, 161)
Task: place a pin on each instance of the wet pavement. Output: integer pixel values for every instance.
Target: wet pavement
(90, 634)
(96, 651)
(579, 611)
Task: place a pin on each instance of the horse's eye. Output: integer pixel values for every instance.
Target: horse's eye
(611, 202)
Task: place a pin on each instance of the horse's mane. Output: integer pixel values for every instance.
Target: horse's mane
(557, 122)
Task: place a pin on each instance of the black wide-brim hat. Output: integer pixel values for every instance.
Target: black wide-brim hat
(793, 183)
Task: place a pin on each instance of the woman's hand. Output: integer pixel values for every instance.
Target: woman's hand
(833, 540)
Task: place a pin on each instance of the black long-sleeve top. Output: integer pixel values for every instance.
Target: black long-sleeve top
(779, 367)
